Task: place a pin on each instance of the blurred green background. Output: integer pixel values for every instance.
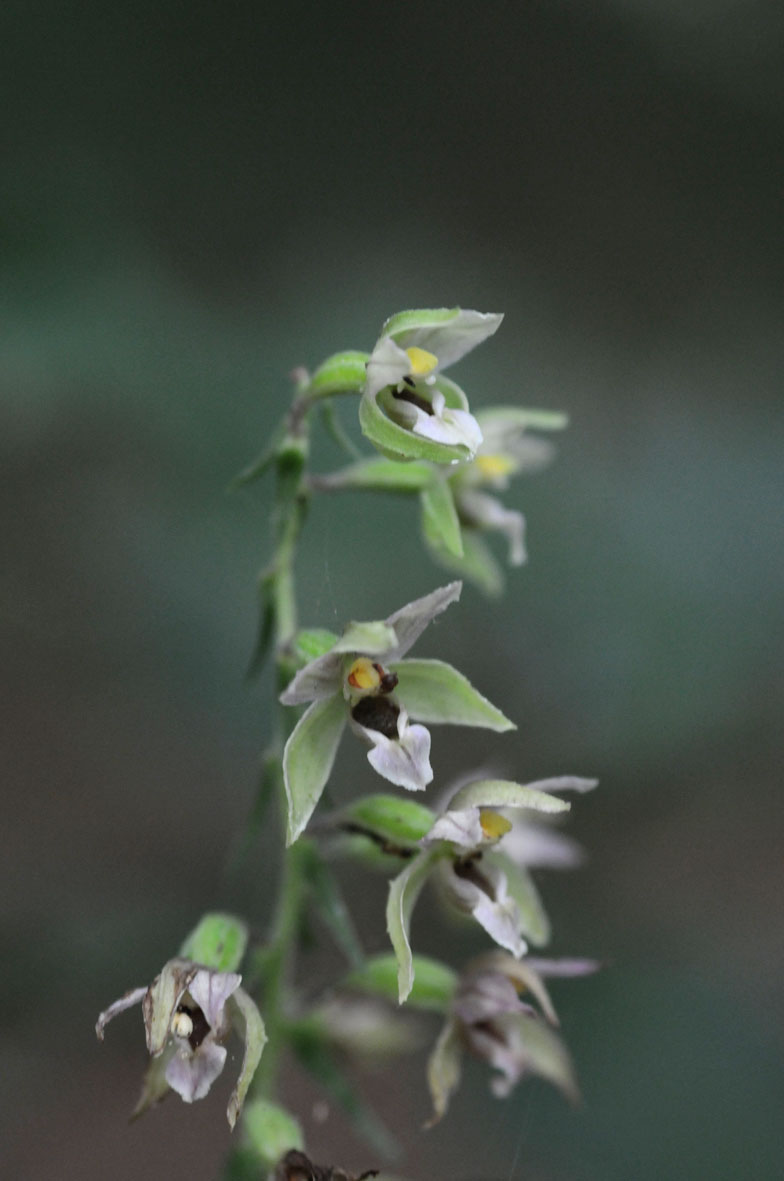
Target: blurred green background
(196, 198)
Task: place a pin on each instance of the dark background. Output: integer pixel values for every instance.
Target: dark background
(194, 199)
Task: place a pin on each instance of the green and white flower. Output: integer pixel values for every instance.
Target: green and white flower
(189, 1011)
(462, 852)
(488, 1018)
(409, 410)
(362, 681)
(457, 504)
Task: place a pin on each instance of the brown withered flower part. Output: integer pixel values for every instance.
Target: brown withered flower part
(296, 1166)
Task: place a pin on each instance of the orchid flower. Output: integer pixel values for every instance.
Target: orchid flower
(488, 1018)
(363, 681)
(189, 1010)
(409, 410)
(461, 850)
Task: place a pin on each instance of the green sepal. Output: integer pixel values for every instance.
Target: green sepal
(218, 941)
(342, 373)
(518, 418)
(308, 1042)
(329, 903)
(398, 443)
(534, 922)
(433, 691)
(444, 1068)
(371, 638)
(308, 759)
(379, 475)
(504, 793)
(255, 1037)
(396, 820)
(403, 893)
(418, 318)
(271, 1131)
(547, 1056)
(439, 517)
(154, 1084)
(311, 643)
(478, 565)
(433, 988)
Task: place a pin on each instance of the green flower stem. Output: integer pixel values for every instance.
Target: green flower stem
(279, 957)
(276, 962)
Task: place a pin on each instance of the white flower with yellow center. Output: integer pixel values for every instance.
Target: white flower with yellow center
(405, 397)
(362, 681)
(464, 851)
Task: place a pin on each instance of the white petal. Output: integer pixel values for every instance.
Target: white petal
(488, 513)
(410, 621)
(462, 828)
(453, 427)
(319, 679)
(539, 847)
(487, 994)
(495, 910)
(404, 760)
(210, 991)
(503, 1057)
(192, 1075)
(388, 365)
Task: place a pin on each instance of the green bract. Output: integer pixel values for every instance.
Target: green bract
(393, 820)
(218, 942)
(362, 681)
(409, 410)
(433, 987)
(271, 1131)
(342, 373)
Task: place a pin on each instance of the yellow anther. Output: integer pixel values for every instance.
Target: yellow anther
(494, 466)
(182, 1025)
(494, 825)
(363, 674)
(422, 362)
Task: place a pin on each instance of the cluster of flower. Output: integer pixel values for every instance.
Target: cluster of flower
(481, 847)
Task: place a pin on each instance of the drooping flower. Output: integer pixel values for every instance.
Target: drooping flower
(188, 1012)
(363, 681)
(458, 507)
(462, 851)
(508, 449)
(488, 1018)
(409, 410)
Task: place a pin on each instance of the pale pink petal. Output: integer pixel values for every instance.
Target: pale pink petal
(210, 991)
(192, 1075)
